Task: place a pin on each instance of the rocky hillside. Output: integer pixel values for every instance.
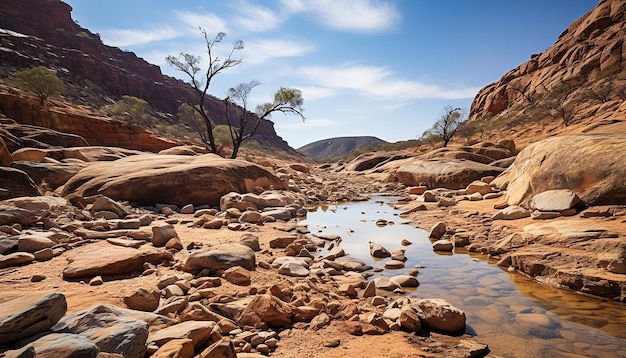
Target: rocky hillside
(578, 81)
(42, 32)
(338, 147)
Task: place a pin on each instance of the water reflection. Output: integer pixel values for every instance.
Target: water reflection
(515, 316)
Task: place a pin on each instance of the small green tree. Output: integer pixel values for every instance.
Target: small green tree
(246, 123)
(131, 108)
(446, 127)
(40, 80)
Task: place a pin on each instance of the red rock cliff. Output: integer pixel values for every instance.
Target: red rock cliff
(590, 44)
(56, 41)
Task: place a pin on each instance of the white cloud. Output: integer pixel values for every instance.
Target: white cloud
(135, 37)
(261, 51)
(379, 82)
(256, 18)
(312, 93)
(349, 15)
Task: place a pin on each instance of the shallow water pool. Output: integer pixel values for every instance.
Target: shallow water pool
(514, 315)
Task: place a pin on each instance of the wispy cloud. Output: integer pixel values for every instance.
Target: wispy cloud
(260, 51)
(348, 15)
(255, 18)
(208, 21)
(379, 82)
(136, 37)
(312, 93)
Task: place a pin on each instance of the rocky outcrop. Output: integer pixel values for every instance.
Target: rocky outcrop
(26, 314)
(588, 165)
(590, 44)
(150, 179)
(113, 260)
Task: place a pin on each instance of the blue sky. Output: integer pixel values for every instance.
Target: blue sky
(365, 67)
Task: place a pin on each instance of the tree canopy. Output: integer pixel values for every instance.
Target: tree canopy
(447, 126)
(40, 80)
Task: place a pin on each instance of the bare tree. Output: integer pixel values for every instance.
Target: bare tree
(189, 65)
(524, 91)
(558, 102)
(448, 124)
(286, 101)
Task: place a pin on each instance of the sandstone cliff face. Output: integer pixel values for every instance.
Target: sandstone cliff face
(587, 51)
(42, 32)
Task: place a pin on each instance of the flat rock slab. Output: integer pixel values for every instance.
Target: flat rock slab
(148, 179)
(25, 314)
(112, 260)
(59, 345)
(444, 173)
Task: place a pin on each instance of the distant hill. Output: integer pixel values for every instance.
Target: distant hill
(338, 147)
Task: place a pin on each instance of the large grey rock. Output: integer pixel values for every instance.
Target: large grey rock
(591, 165)
(26, 314)
(34, 242)
(56, 345)
(149, 179)
(112, 329)
(221, 257)
(112, 260)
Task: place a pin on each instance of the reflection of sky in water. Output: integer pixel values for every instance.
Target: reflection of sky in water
(515, 316)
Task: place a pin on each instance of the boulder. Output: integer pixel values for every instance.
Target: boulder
(112, 329)
(266, 310)
(176, 348)
(58, 345)
(16, 259)
(221, 257)
(511, 213)
(34, 242)
(441, 315)
(378, 251)
(443, 245)
(26, 314)
(144, 299)
(17, 183)
(554, 200)
(444, 173)
(112, 260)
(198, 331)
(237, 275)
(405, 280)
(148, 179)
(437, 231)
(161, 234)
(589, 165)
